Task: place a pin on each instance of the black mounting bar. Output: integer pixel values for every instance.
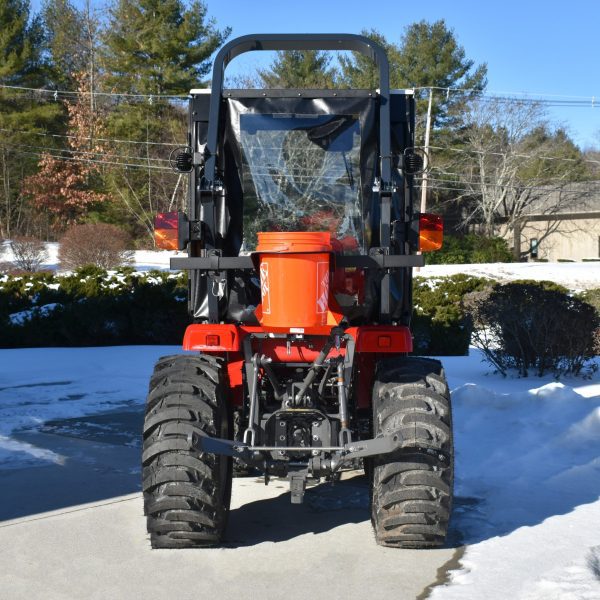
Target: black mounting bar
(229, 263)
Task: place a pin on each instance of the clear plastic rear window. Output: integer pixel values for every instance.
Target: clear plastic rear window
(302, 173)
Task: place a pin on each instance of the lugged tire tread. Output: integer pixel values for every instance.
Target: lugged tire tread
(185, 501)
(411, 490)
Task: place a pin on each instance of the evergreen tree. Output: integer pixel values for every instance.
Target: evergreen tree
(152, 47)
(360, 72)
(20, 45)
(72, 39)
(428, 55)
(21, 65)
(159, 46)
(300, 69)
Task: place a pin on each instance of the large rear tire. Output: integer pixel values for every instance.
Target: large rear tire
(411, 489)
(186, 493)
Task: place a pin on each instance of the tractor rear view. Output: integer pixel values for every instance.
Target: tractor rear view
(301, 239)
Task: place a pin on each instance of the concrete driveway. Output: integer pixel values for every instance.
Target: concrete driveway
(76, 530)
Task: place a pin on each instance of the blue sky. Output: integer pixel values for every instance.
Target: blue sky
(545, 48)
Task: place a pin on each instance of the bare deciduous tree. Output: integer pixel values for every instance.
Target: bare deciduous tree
(511, 164)
(28, 253)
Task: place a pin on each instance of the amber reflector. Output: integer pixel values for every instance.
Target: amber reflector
(166, 230)
(431, 232)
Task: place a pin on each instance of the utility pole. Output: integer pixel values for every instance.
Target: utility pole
(426, 159)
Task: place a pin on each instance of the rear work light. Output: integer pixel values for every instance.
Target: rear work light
(431, 232)
(169, 230)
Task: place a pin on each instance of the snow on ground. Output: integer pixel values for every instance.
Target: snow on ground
(575, 276)
(527, 465)
(143, 260)
(527, 485)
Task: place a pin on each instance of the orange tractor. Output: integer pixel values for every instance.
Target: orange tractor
(301, 238)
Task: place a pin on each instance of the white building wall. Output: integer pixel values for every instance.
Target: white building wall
(572, 240)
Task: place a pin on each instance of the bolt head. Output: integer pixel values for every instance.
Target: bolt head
(315, 453)
(315, 438)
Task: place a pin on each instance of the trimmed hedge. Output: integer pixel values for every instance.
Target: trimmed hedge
(470, 249)
(93, 307)
(440, 325)
(534, 326)
(591, 297)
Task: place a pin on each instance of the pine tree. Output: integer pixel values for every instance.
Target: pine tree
(72, 39)
(21, 65)
(159, 46)
(360, 72)
(300, 69)
(428, 55)
(152, 47)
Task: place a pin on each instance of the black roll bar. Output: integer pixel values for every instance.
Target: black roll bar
(300, 41)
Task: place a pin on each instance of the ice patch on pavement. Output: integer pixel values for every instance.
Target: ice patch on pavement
(11, 448)
(41, 384)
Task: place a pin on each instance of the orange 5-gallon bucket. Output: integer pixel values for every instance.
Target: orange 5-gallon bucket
(294, 278)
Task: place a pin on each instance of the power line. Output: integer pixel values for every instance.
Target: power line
(529, 97)
(86, 160)
(533, 97)
(517, 155)
(459, 186)
(47, 149)
(81, 137)
(56, 93)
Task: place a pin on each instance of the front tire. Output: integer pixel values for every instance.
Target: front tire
(411, 489)
(186, 493)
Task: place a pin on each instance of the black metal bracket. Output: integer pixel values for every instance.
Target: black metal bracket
(252, 454)
(229, 263)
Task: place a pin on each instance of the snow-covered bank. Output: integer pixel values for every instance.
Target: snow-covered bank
(527, 485)
(575, 276)
(143, 260)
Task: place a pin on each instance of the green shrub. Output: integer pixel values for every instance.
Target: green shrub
(440, 325)
(470, 249)
(534, 326)
(591, 297)
(93, 307)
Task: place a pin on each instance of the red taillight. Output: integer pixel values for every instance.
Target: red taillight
(166, 230)
(431, 232)
(213, 340)
(384, 341)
